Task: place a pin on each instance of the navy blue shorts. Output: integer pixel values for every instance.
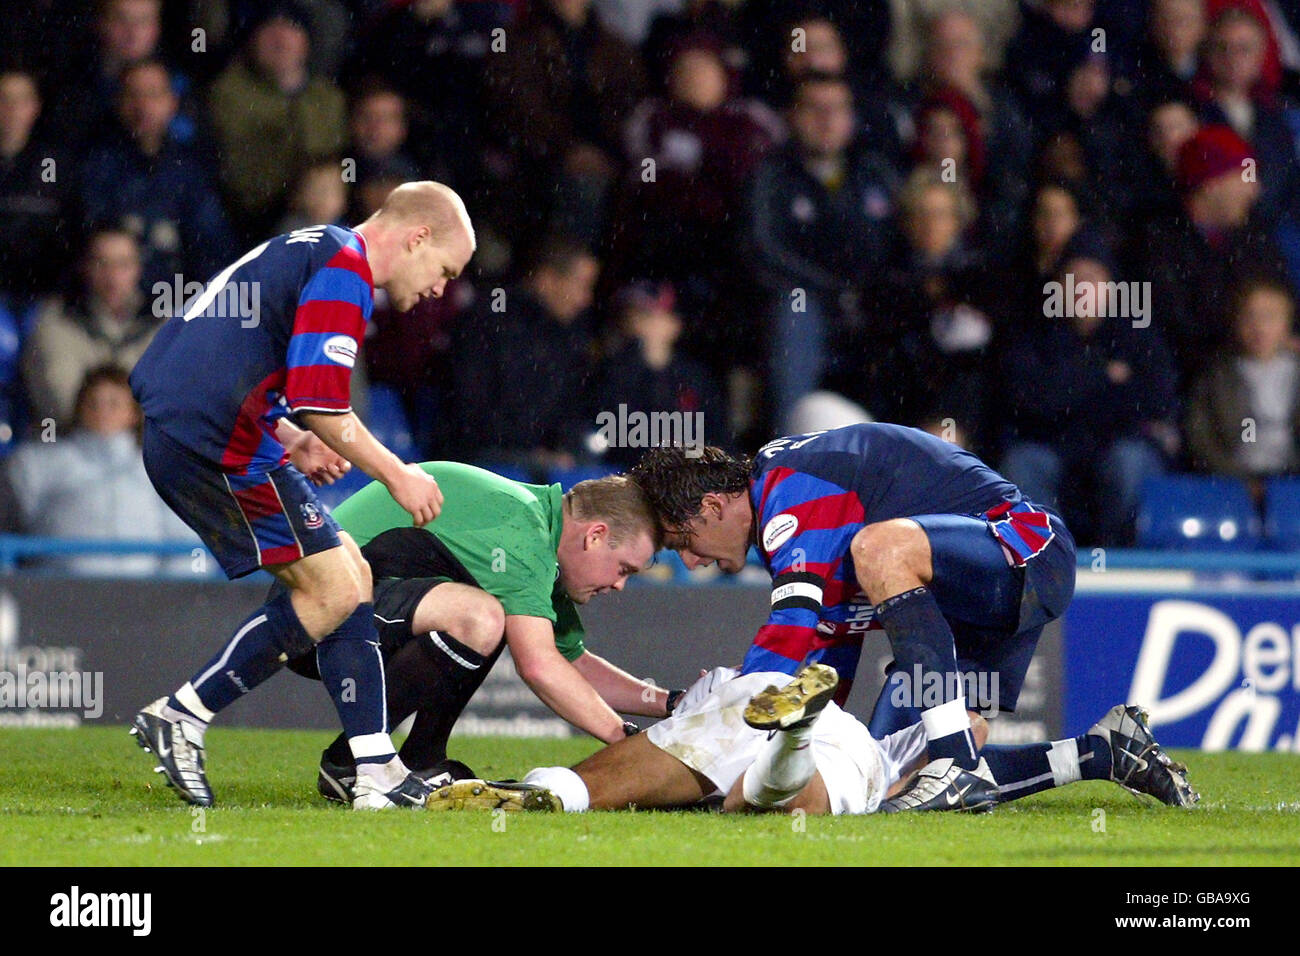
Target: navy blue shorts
(997, 608)
(247, 521)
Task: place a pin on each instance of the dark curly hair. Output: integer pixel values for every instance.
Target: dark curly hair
(676, 479)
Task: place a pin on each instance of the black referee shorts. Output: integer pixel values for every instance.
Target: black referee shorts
(406, 564)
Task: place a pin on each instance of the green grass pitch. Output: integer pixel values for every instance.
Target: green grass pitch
(88, 797)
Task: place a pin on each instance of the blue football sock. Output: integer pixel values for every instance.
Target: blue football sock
(1033, 768)
(926, 655)
(353, 673)
(259, 648)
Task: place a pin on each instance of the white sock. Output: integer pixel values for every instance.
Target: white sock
(1063, 758)
(783, 768)
(565, 784)
(386, 776)
(948, 719)
(198, 717)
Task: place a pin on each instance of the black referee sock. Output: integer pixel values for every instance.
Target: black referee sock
(447, 675)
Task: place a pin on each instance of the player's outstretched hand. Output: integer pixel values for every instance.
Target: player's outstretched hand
(315, 459)
(415, 490)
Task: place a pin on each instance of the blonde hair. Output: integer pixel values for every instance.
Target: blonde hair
(619, 502)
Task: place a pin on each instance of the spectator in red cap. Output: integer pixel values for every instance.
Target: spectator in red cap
(1213, 242)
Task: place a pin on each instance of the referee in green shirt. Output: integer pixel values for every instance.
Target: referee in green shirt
(507, 560)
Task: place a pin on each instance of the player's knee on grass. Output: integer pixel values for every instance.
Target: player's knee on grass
(891, 557)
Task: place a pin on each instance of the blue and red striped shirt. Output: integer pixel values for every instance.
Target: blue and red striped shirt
(275, 333)
(811, 494)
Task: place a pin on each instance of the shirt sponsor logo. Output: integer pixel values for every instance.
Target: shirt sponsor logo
(341, 349)
(778, 531)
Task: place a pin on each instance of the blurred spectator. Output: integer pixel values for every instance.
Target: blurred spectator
(435, 53)
(933, 289)
(1170, 124)
(814, 30)
(950, 140)
(1194, 257)
(126, 32)
(108, 322)
(561, 93)
(1234, 92)
(818, 222)
(717, 20)
(957, 58)
(649, 375)
(142, 179)
(1054, 36)
(272, 117)
(1104, 122)
(1055, 218)
(1090, 403)
(917, 23)
(524, 363)
(703, 144)
(34, 195)
(1169, 57)
(1244, 415)
(92, 483)
(379, 131)
(320, 197)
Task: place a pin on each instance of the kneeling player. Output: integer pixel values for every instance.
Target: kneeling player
(505, 564)
(768, 742)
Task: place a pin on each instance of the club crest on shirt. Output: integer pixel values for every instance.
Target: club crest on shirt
(778, 531)
(311, 516)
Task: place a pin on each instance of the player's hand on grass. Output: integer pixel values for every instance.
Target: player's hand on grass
(415, 490)
(315, 459)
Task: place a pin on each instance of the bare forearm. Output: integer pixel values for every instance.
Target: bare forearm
(623, 692)
(561, 688)
(348, 437)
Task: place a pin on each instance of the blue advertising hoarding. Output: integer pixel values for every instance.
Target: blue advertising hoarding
(1215, 670)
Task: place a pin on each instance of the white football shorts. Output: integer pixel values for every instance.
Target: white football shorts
(708, 733)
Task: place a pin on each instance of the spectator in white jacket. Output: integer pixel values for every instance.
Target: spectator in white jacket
(91, 483)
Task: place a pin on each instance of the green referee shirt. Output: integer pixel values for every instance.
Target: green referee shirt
(504, 532)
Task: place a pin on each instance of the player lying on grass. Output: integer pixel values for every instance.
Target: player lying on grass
(879, 527)
(785, 746)
(503, 559)
(273, 337)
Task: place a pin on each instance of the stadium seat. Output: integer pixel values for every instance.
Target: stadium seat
(568, 477)
(1193, 513)
(1282, 514)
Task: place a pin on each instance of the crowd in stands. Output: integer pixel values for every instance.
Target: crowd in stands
(1064, 233)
